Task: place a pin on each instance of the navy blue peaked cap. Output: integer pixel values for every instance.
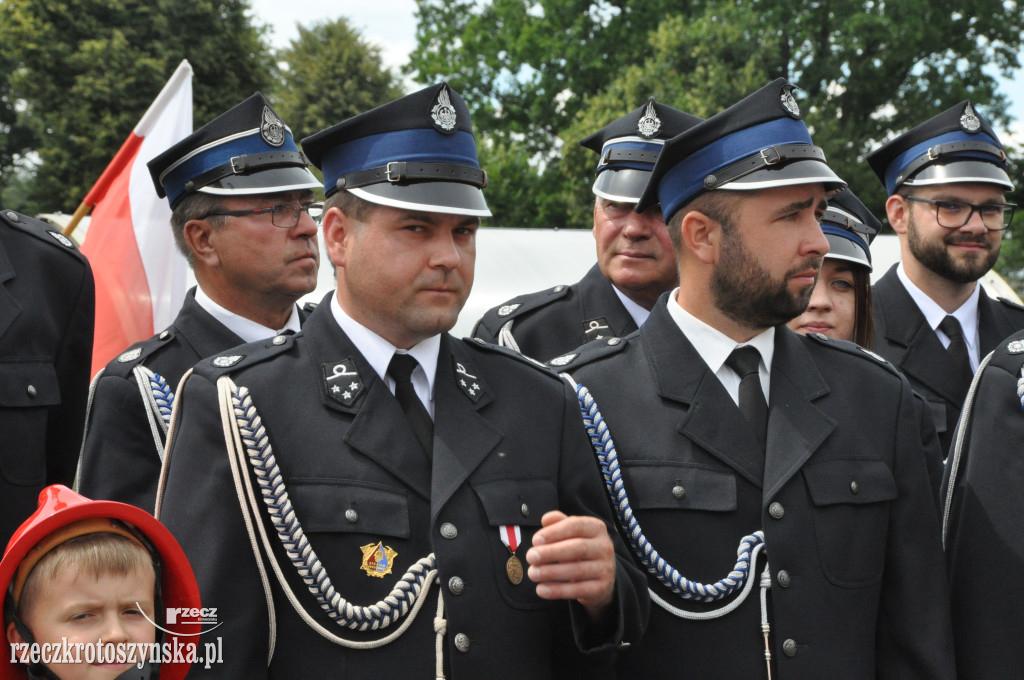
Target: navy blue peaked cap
(629, 147)
(958, 145)
(246, 150)
(849, 229)
(414, 153)
(760, 142)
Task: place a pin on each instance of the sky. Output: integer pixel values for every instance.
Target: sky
(391, 24)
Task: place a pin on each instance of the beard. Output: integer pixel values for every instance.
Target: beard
(745, 292)
(934, 256)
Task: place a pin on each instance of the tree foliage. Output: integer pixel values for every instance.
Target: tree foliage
(540, 74)
(84, 71)
(330, 73)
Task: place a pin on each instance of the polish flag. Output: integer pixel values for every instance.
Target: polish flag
(140, 275)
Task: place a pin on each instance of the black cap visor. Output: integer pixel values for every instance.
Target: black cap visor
(840, 248)
(961, 172)
(624, 185)
(267, 181)
(797, 172)
(454, 198)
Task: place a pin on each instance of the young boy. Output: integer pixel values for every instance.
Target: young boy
(81, 595)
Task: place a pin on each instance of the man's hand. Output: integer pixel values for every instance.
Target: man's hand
(572, 558)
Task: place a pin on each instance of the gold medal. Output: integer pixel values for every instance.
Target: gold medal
(378, 559)
(514, 570)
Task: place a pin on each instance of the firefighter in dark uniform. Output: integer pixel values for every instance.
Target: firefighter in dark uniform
(634, 254)
(46, 322)
(732, 435)
(946, 180)
(398, 468)
(242, 214)
(983, 521)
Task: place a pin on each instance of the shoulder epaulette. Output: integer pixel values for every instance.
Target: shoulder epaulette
(1012, 304)
(483, 345)
(310, 306)
(853, 349)
(522, 304)
(592, 351)
(1009, 354)
(127, 360)
(244, 356)
(41, 230)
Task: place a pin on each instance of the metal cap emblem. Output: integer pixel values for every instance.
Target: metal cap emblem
(272, 128)
(443, 113)
(969, 120)
(788, 102)
(649, 123)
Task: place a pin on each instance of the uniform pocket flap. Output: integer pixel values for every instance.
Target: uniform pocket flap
(517, 501)
(679, 486)
(349, 506)
(28, 383)
(850, 481)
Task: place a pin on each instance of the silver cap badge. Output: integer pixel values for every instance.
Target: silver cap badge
(272, 128)
(443, 112)
(969, 120)
(649, 123)
(788, 102)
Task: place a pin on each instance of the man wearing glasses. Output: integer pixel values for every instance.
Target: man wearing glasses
(244, 217)
(946, 180)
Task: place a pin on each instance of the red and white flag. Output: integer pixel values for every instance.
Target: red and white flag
(140, 275)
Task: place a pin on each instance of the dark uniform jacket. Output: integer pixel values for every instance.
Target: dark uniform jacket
(552, 322)
(122, 451)
(983, 497)
(902, 336)
(843, 496)
(356, 477)
(46, 324)
(124, 441)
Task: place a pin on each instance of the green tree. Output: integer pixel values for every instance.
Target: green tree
(84, 72)
(534, 71)
(330, 73)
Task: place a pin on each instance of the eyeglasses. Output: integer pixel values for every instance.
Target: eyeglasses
(955, 214)
(284, 215)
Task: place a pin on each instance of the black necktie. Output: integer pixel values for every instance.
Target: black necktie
(745, 361)
(400, 369)
(958, 353)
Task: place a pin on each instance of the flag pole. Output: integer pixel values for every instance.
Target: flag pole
(81, 211)
(184, 70)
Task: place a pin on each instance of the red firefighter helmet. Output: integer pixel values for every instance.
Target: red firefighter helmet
(60, 507)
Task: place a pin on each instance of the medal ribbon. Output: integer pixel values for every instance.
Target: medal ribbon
(510, 536)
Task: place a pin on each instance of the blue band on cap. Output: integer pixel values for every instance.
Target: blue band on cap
(175, 180)
(843, 232)
(686, 179)
(401, 145)
(631, 145)
(913, 153)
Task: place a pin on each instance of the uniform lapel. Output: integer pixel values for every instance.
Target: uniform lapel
(204, 334)
(796, 427)
(910, 343)
(9, 307)
(462, 437)
(599, 301)
(711, 418)
(994, 325)
(379, 429)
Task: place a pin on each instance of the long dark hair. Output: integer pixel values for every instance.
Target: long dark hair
(863, 321)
